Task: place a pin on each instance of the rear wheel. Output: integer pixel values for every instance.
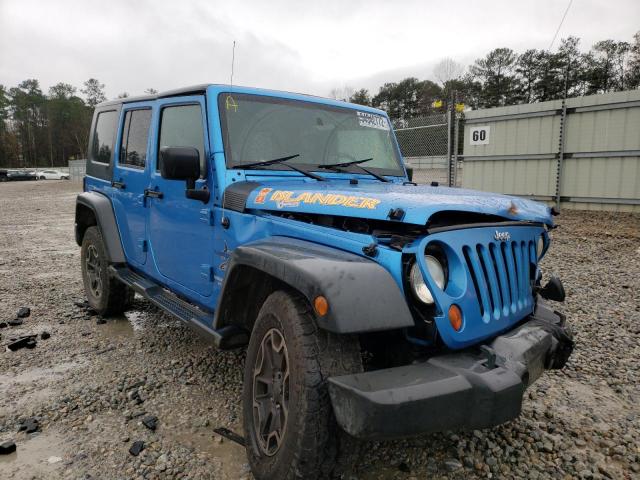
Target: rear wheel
(105, 294)
(289, 426)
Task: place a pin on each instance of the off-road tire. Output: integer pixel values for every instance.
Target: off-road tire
(313, 445)
(110, 297)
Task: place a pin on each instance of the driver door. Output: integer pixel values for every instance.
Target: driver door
(180, 232)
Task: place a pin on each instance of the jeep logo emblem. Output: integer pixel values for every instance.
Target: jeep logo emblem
(502, 236)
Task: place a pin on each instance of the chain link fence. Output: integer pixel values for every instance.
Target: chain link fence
(429, 145)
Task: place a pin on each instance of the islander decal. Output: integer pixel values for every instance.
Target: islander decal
(262, 194)
(284, 199)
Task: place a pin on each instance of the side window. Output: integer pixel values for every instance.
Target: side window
(181, 126)
(133, 150)
(103, 137)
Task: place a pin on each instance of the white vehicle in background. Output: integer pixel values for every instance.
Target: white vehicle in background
(51, 175)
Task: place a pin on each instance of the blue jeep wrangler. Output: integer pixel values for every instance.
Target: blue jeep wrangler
(370, 307)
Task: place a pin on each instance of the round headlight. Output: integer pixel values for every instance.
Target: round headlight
(540, 246)
(420, 289)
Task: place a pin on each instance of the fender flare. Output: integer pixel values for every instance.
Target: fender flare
(362, 295)
(106, 221)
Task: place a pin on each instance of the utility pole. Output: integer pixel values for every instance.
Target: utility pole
(563, 121)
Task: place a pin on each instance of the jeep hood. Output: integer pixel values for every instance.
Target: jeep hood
(375, 200)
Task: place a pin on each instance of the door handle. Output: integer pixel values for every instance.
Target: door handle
(119, 185)
(153, 193)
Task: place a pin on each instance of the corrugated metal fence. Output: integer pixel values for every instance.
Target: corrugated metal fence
(583, 153)
(77, 169)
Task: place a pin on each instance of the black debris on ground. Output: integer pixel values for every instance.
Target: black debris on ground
(4, 324)
(136, 448)
(234, 437)
(44, 335)
(23, 312)
(29, 425)
(7, 447)
(151, 422)
(16, 322)
(27, 341)
(100, 321)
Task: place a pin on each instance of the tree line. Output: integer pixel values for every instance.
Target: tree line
(504, 77)
(47, 130)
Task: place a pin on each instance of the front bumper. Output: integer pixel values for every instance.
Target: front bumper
(471, 389)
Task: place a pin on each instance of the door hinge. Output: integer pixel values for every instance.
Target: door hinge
(206, 215)
(207, 272)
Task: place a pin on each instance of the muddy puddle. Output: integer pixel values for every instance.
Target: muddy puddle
(125, 325)
(33, 386)
(36, 374)
(37, 456)
(117, 327)
(230, 455)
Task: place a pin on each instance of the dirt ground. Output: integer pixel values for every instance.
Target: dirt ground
(91, 384)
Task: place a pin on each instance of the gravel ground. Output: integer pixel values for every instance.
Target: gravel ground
(90, 385)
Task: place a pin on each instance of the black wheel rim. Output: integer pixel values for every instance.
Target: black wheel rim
(271, 392)
(92, 266)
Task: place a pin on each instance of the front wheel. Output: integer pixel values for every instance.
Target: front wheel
(106, 295)
(289, 426)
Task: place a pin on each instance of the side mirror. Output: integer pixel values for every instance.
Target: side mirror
(183, 163)
(180, 163)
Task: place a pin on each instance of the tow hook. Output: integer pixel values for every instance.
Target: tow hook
(493, 359)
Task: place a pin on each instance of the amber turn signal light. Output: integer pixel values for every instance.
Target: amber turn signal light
(455, 317)
(321, 305)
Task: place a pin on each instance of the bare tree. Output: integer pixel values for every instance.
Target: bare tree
(123, 95)
(151, 91)
(448, 69)
(341, 93)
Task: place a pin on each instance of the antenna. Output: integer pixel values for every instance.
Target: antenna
(559, 26)
(224, 221)
(233, 59)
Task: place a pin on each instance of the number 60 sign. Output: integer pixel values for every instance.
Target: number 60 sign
(479, 135)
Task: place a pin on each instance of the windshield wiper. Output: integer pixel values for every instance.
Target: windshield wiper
(266, 163)
(341, 167)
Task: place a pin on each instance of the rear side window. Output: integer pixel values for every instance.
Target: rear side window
(133, 150)
(181, 126)
(103, 137)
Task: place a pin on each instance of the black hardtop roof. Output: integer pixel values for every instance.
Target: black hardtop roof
(185, 91)
(178, 92)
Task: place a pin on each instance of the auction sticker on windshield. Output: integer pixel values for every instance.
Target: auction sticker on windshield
(371, 120)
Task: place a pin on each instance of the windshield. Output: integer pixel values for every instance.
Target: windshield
(258, 128)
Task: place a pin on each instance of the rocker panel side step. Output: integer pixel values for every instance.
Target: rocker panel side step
(225, 338)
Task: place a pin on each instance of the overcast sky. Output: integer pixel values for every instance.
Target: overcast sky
(303, 46)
